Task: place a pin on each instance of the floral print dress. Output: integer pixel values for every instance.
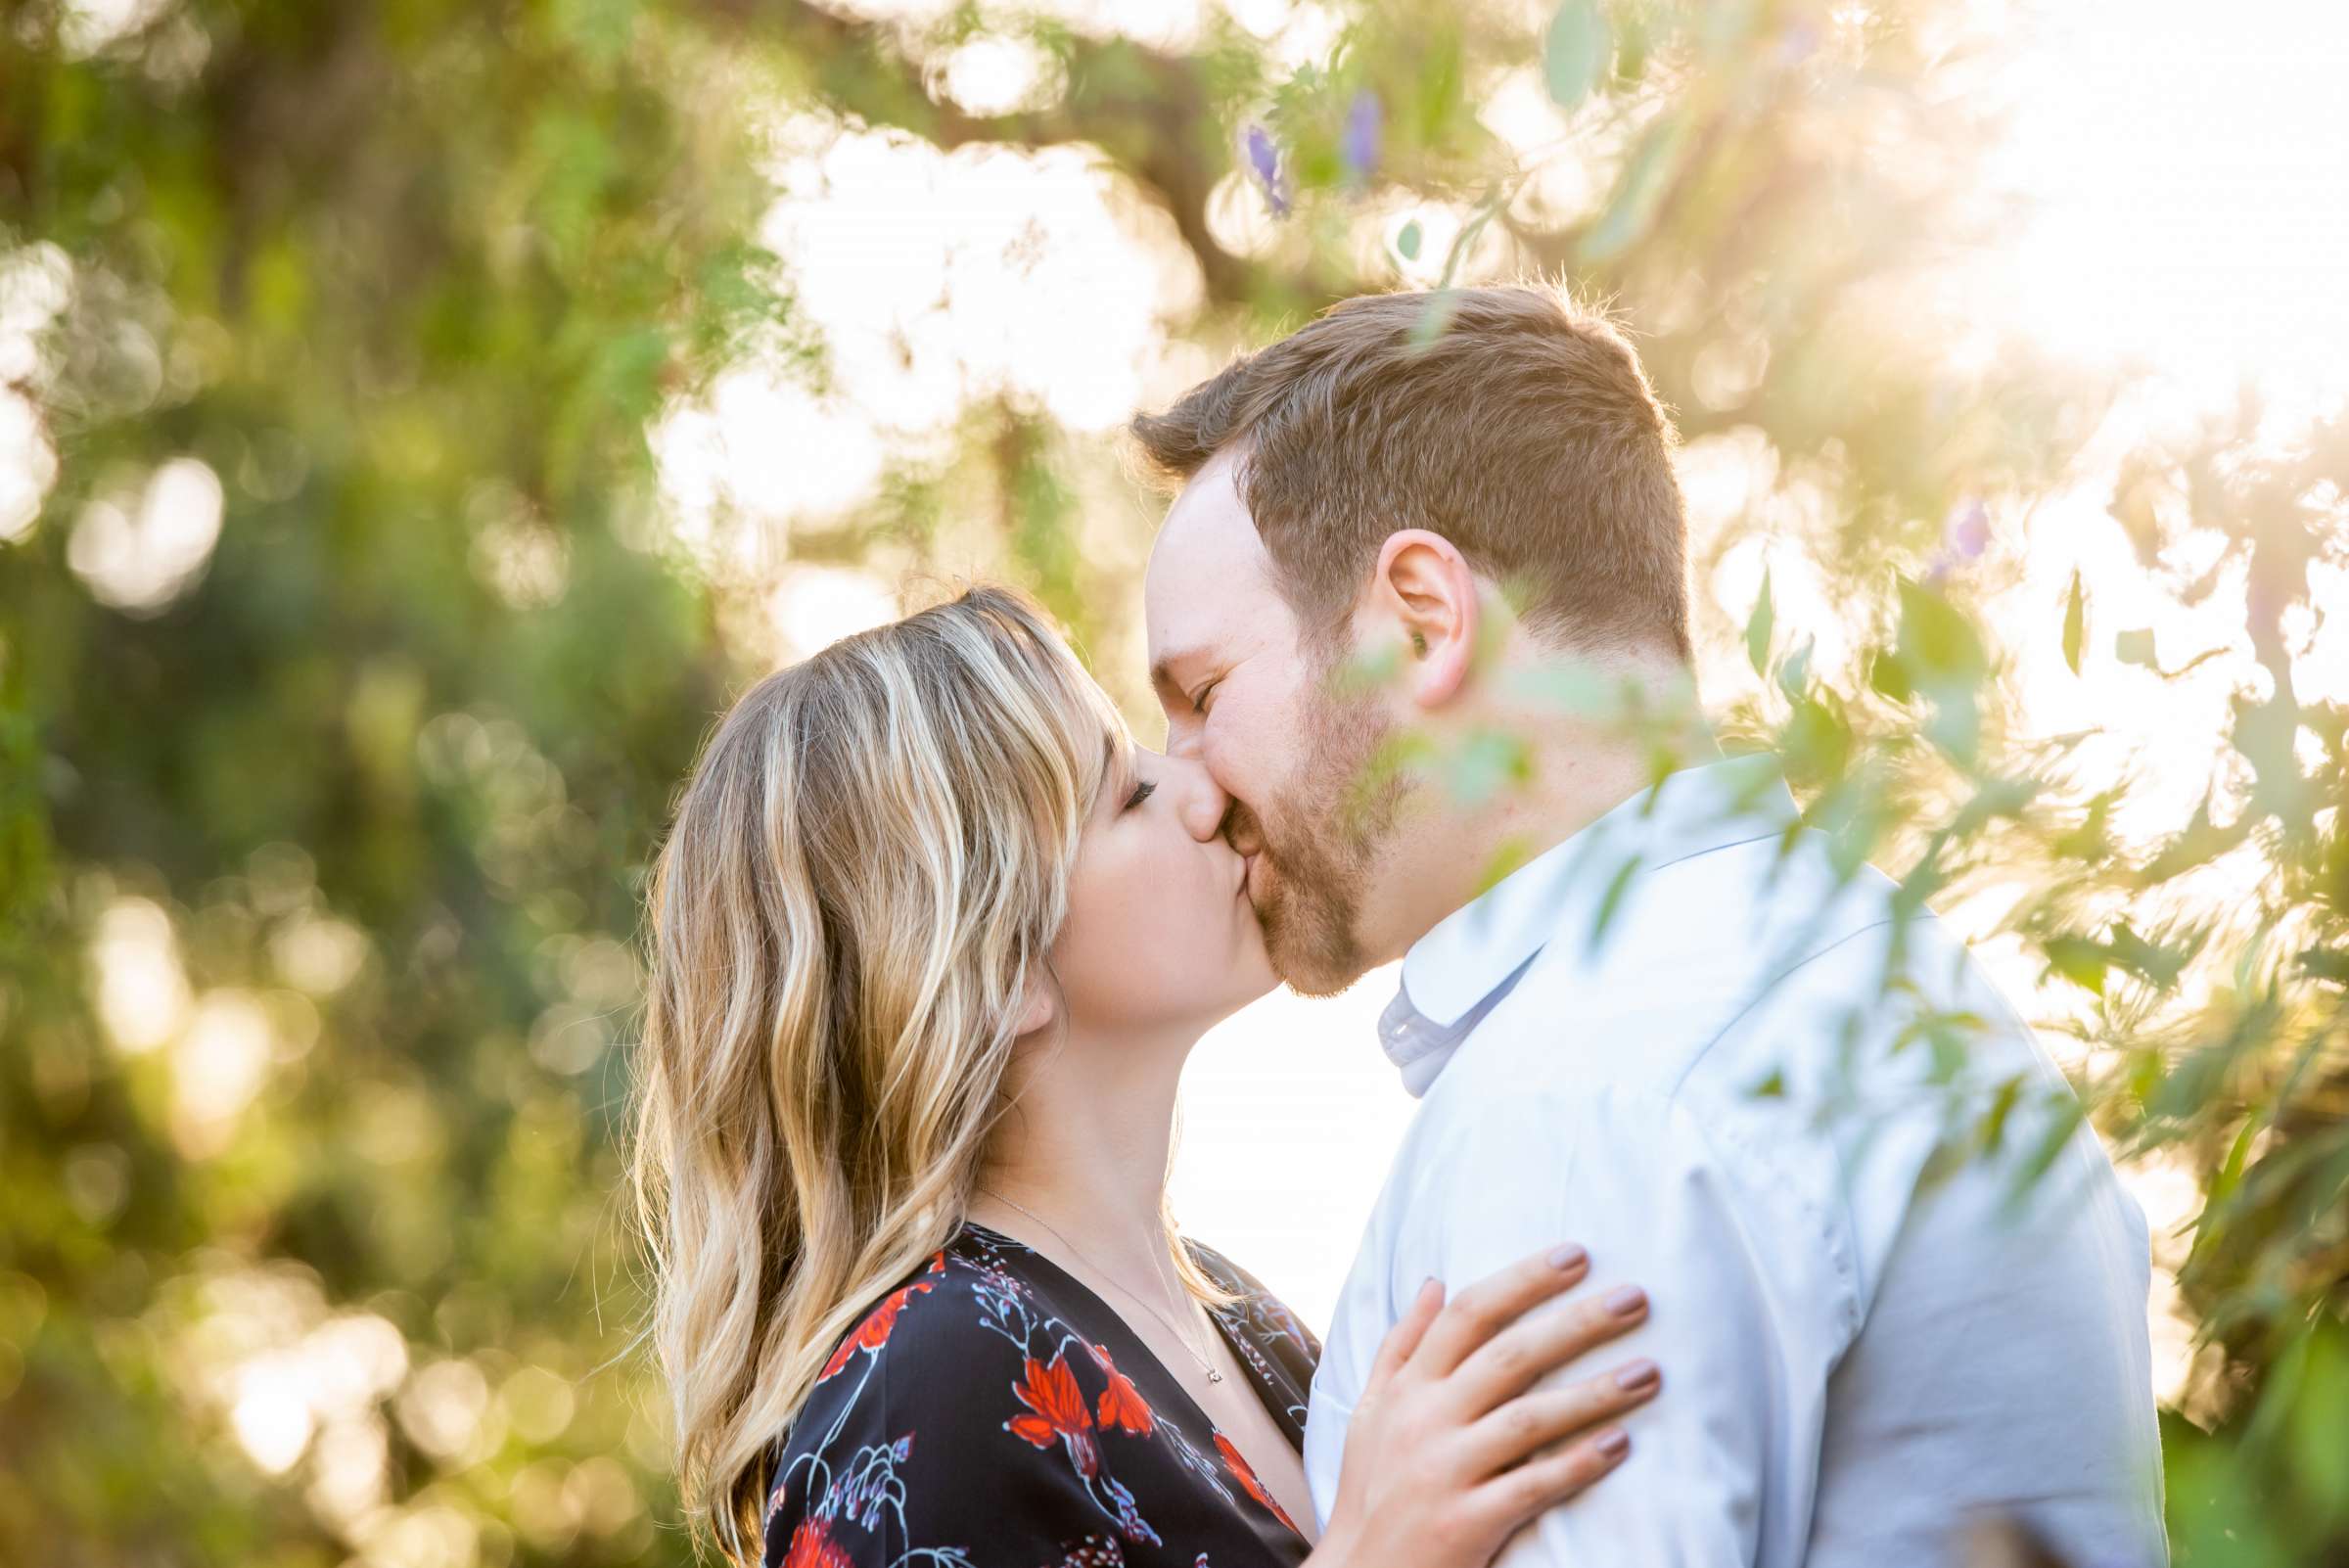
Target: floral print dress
(992, 1412)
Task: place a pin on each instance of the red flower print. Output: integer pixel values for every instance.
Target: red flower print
(1122, 1403)
(1056, 1409)
(1247, 1478)
(812, 1548)
(873, 1332)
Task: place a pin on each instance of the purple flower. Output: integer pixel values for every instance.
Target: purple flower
(1264, 158)
(1964, 536)
(1968, 529)
(1362, 123)
(1797, 44)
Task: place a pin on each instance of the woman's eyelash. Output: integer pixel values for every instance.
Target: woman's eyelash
(1141, 793)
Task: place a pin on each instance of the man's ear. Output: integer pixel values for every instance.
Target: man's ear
(1423, 594)
(1040, 1001)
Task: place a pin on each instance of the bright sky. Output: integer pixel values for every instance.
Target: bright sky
(2191, 167)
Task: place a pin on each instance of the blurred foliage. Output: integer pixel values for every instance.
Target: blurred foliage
(352, 647)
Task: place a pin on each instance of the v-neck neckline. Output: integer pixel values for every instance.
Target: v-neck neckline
(1151, 1362)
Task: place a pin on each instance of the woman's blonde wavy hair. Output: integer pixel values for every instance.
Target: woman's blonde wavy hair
(872, 858)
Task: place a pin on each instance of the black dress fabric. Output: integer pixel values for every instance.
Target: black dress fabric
(992, 1412)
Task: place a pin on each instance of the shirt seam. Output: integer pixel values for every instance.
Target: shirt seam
(1833, 1214)
(1762, 993)
(1714, 849)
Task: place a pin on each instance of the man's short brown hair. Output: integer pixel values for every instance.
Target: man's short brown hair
(1523, 431)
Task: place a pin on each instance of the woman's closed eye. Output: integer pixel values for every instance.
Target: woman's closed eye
(1143, 789)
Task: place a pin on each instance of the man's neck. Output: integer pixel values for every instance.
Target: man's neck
(1445, 852)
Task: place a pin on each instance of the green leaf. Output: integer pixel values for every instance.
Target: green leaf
(1511, 854)
(1435, 318)
(1406, 244)
(1641, 191)
(1611, 903)
(1794, 674)
(2078, 960)
(1938, 639)
(2136, 648)
(1758, 628)
(2075, 623)
(1488, 763)
(1576, 54)
(2155, 963)
(2326, 964)
(2002, 1106)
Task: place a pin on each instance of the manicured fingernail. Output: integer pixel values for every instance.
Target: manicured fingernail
(1567, 1257)
(1427, 1285)
(1638, 1376)
(1616, 1444)
(1625, 1301)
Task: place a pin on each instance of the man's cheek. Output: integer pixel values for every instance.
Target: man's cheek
(1254, 740)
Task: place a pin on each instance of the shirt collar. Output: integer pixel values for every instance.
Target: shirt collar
(1458, 972)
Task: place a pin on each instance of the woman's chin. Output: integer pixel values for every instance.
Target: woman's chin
(1253, 974)
(1246, 977)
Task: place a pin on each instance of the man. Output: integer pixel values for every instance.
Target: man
(1638, 1038)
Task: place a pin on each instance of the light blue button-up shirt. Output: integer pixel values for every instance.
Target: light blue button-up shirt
(1683, 1038)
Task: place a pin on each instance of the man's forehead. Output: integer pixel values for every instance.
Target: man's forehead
(1206, 563)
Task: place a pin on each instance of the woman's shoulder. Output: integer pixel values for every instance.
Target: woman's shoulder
(958, 1396)
(932, 1319)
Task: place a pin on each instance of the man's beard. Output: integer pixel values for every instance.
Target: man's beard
(1315, 855)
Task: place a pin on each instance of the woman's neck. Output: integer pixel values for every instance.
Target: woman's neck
(1084, 1150)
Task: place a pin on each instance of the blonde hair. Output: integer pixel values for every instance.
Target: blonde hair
(872, 858)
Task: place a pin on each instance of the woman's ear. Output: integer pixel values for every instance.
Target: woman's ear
(1039, 1002)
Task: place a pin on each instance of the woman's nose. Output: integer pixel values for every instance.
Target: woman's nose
(1199, 801)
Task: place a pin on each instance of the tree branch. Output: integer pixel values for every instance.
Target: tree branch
(1152, 113)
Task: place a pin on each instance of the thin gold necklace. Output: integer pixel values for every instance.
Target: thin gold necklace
(1212, 1375)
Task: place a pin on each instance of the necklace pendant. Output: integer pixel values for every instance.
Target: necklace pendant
(1214, 1376)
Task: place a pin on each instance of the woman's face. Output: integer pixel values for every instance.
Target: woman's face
(1159, 933)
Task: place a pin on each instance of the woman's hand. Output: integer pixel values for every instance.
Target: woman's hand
(1445, 1457)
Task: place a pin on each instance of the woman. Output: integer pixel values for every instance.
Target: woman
(931, 940)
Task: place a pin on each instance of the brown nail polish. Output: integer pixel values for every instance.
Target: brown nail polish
(1637, 1376)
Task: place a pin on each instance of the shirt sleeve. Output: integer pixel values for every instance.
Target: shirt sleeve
(884, 1458)
(1749, 1303)
(1746, 1310)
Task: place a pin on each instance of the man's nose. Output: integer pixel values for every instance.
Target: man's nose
(1200, 802)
